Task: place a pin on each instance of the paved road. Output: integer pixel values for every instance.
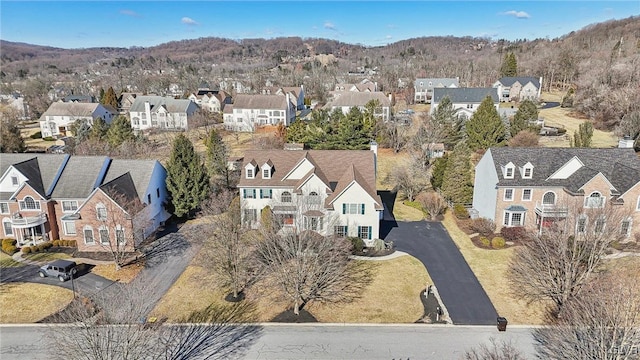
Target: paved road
(322, 342)
(461, 293)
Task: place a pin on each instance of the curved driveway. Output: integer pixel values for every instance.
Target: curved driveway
(461, 293)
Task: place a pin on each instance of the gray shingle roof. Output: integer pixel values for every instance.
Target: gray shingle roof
(172, 105)
(79, 177)
(435, 83)
(71, 109)
(260, 102)
(122, 190)
(620, 166)
(509, 81)
(139, 170)
(352, 98)
(465, 95)
(41, 168)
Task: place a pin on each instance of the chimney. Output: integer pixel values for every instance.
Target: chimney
(375, 86)
(626, 142)
(373, 145)
(147, 107)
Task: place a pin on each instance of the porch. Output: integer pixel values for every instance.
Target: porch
(29, 230)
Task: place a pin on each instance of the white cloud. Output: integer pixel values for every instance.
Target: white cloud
(388, 37)
(330, 26)
(189, 21)
(518, 14)
(129, 13)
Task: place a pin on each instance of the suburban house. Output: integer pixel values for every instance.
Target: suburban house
(158, 112)
(95, 200)
(211, 101)
(423, 87)
(234, 86)
(533, 187)
(80, 99)
(60, 116)
(327, 191)
(365, 85)
(345, 100)
(296, 94)
(251, 111)
(519, 88)
(16, 102)
(125, 101)
(465, 100)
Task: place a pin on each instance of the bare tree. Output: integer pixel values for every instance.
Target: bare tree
(603, 322)
(556, 262)
(496, 350)
(404, 179)
(433, 203)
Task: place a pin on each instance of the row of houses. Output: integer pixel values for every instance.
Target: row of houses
(507, 88)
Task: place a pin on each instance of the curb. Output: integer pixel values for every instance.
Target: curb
(395, 254)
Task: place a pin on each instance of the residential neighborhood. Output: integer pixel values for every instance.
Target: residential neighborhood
(442, 196)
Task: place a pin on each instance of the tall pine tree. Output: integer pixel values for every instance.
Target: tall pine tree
(485, 128)
(110, 98)
(509, 65)
(445, 117)
(526, 111)
(99, 129)
(187, 179)
(119, 131)
(217, 155)
(457, 185)
(582, 137)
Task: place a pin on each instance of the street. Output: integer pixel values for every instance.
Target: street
(314, 341)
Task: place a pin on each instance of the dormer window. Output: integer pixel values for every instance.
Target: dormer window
(250, 170)
(508, 171)
(527, 171)
(594, 200)
(250, 174)
(266, 173)
(267, 170)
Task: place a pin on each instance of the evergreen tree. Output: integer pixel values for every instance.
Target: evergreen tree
(187, 179)
(119, 131)
(101, 96)
(99, 129)
(527, 111)
(12, 140)
(485, 129)
(582, 137)
(217, 155)
(438, 169)
(457, 185)
(445, 117)
(509, 65)
(110, 98)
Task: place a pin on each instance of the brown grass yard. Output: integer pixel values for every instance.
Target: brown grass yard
(124, 275)
(29, 303)
(6, 261)
(45, 257)
(387, 161)
(491, 268)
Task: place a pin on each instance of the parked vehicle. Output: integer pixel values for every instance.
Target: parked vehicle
(62, 269)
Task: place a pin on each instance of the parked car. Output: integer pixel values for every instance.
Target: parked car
(62, 269)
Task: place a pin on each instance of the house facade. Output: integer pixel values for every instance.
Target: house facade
(327, 191)
(533, 187)
(250, 111)
(296, 94)
(60, 116)
(423, 87)
(345, 100)
(157, 112)
(519, 88)
(465, 100)
(95, 200)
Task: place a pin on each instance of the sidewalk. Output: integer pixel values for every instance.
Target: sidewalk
(18, 257)
(379, 258)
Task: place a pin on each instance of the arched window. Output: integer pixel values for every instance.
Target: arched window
(314, 198)
(28, 203)
(285, 197)
(549, 198)
(8, 229)
(594, 200)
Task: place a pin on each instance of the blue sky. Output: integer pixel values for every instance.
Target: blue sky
(78, 24)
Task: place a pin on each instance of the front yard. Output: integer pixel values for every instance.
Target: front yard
(36, 301)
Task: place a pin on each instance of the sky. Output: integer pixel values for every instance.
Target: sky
(84, 24)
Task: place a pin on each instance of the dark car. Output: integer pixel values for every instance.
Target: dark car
(62, 269)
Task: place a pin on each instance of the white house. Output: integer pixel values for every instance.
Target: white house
(519, 88)
(296, 94)
(15, 101)
(423, 87)
(159, 112)
(345, 100)
(59, 117)
(465, 100)
(251, 111)
(327, 191)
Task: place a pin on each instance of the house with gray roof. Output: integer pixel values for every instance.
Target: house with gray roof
(345, 100)
(534, 187)
(251, 111)
(45, 196)
(465, 100)
(331, 192)
(519, 88)
(60, 116)
(423, 87)
(161, 112)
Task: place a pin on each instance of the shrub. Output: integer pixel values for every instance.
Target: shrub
(48, 138)
(497, 242)
(42, 247)
(513, 233)
(73, 243)
(485, 241)
(34, 249)
(7, 242)
(460, 212)
(483, 226)
(47, 245)
(416, 205)
(9, 246)
(26, 250)
(56, 242)
(357, 244)
(64, 242)
(378, 244)
(10, 249)
(37, 135)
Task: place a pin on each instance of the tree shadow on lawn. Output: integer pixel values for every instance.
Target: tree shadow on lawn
(288, 316)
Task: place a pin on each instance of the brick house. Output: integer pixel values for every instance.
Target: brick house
(533, 187)
(94, 200)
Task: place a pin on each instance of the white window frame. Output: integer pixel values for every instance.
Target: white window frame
(509, 171)
(71, 202)
(84, 235)
(600, 220)
(314, 223)
(100, 234)
(364, 230)
(314, 198)
(119, 231)
(555, 198)
(510, 198)
(582, 228)
(588, 203)
(4, 226)
(23, 203)
(629, 223)
(266, 173)
(530, 194)
(286, 197)
(15, 181)
(66, 229)
(524, 172)
(4, 208)
(250, 173)
(99, 209)
(341, 230)
(507, 219)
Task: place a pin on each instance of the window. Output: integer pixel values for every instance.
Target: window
(364, 232)
(101, 212)
(157, 193)
(526, 194)
(120, 235)
(286, 219)
(314, 223)
(581, 225)
(14, 180)
(266, 193)
(508, 172)
(88, 236)
(549, 198)
(250, 215)
(508, 194)
(638, 204)
(69, 227)
(104, 236)
(249, 173)
(527, 173)
(353, 209)
(29, 204)
(249, 193)
(149, 199)
(598, 227)
(625, 227)
(285, 197)
(469, 106)
(513, 218)
(314, 198)
(266, 173)
(595, 200)
(69, 206)
(340, 230)
(8, 229)
(136, 121)
(4, 208)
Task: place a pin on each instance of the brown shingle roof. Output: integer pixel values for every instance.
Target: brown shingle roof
(351, 98)
(260, 102)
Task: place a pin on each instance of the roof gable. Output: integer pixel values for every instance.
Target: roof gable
(568, 169)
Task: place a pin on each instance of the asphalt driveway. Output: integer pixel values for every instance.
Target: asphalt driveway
(461, 293)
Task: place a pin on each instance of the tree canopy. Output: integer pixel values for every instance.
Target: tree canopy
(485, 128)
(527, 111)
(187, 179)
(509, 65)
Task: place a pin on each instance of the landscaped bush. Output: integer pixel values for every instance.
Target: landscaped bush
(73, 243)
(483, 226)
(64, 242)
(56, 242)
(9, 246)
(485, 241)
(497, 242)
(34, 249)
(8, 242)
(26, 250)
(357, 244)
(48, 138)
(460, 212)
(513, 233)
(378, 244)
(37, 135)
(11, 249)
